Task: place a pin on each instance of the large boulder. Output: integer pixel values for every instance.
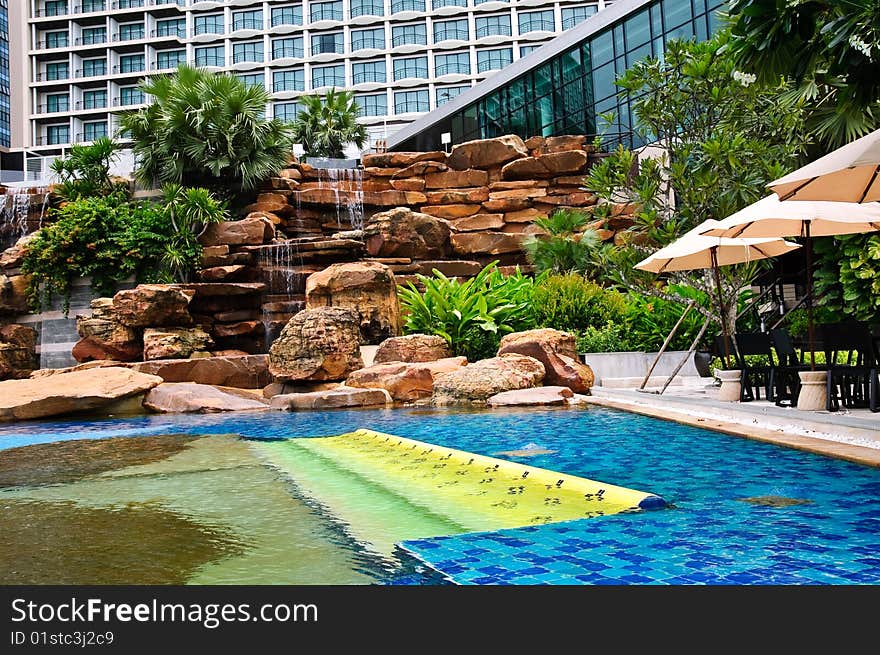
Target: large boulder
(241, 371)
(486, 243)
(175, 343)
(401, 232)
(17, 351)
(369, 288)
(153, 305)
(318, 344)
(104, 337)
(486, 153)
(475, 383)
(412, 348)
(13, 256)
(189, 397)
(530, 397)
(13, 294)
(64, 393)
(544, 166)
(332, 399)
(404, 381)
(251, 231)
(557, 351)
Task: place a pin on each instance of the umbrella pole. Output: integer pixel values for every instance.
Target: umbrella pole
(713, 252)
(810, 328)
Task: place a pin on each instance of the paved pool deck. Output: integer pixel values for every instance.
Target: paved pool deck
(853, 435)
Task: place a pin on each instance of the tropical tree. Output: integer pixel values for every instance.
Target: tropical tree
(324, 126)
(830, 48)
(85, 171)
(206, 129)
(569, 245)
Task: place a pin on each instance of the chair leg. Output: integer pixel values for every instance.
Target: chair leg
(831, 393)
(873, 383)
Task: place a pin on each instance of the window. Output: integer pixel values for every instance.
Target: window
(368, 71)
(536, 21)
(493, 25)
(212, 24)
(410, 67)
(409, 35)
(131, 63)
(286, 111)
(294, 80)
(93, 5)
(407, 5)
(94, 99)
(170, 59)
(459, 62)
(287, 16)
(287, 48)
(128, 4)
(526, 49)
(131, 31)
(325, 11)
(406, 102)
(252, 79)
(363, 39)
(327, 43)
(55, 8)
(328, 76)
(56, 39)
(94, 130)
(367, 8)
(251, 51)
(57, 71)
(571, 16)
(247, 20)
(447, 93)
(93, 35)
(130, 95)
(372, 105)
(57, 134)
(451, 29)
(174, 27)
(436, 4)
(211, 56)
(489, 60)
(94, 67)
(57, 102)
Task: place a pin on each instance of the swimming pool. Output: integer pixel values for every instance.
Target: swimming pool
(743, 511)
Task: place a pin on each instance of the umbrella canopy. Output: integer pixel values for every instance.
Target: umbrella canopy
(770, 217)
(849, 174)
(694, 251)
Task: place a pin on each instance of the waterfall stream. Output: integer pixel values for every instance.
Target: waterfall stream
(18, 214)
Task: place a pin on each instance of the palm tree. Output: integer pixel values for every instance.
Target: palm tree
(325, 126)
(206, 129)
(85, 171)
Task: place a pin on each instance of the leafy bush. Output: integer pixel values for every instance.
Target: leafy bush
(573, 303)
(325, 125)
(650, 319)
(110, 239)
(848, 277)
(85, 171)
(568, 247)
(472, 315)
(611, 337)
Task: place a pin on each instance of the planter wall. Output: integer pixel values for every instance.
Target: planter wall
(626, 366)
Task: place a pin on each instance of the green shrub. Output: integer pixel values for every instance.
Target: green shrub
(611, 337)
(573, 303)
(568, 247)
(650, 319)
(472, 315)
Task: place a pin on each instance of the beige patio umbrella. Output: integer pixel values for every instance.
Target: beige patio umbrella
(694, 250)
(849, 174)
(771, 217)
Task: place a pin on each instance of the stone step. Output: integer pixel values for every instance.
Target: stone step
(450, 268)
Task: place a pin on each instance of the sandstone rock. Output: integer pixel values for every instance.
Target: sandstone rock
(579, 199)
(369, 288)
(451, 267)
(490, 243)
(535, 396)
(484, 153)
(273, 203)
(290, 173)
(475, 383)
(233, 273)
(338, 398)
(510, 194)
(564, 142)
(400, 159)
(478, 222)
(456, 179)
(518, 184)
(189, 397)
(568, 180)
(420, 169)
(13, 256)
(381, 171)
(544, 166)
(556, 350)
(451, 211)
(239, 329)
(524, 216)
(64, 393)
(242, 371)
(534, 142)
(248, 231)
(13, 294)
(408, 184)
(17, 351)
(412, 348)
(404, 382)
(452, 196)
(402, 232)
(175, 343)
(153, 305)
(317, 344)
(104, 337)
(282, 388)
(506, 205)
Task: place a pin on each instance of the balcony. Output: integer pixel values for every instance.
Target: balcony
(53, 76)
(411, 106)
(408, 39)
(412, 71)
(450, 34)
(328, 80)
(96, 39)
(287, 52)
(133, 99)
(54, 140)
(90, 7)
(91, 104)
(407, 5)
(537, 26)
(51, 45)
(96, 71)
(453, 69)
(369, 76)
(211, 60)
(325, 13)
(168, 33)
(53, 108)
(247, 24)
(134, 35)
(436, 4)
(127, 4)
(493, 30)
(86, 137)
(365, 42)
(128, 68)
(53, 10)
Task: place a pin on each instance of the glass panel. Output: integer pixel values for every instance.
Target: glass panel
(436, 4)
(294, 80)
(603, 81)
(94, 99)
(407, 5)
(131, 64)
(411, 101)
(131, 32)
(56, 40)
(325, 11)
(328, 76)
(372, 105)
(211, 56)
(492, 26)
(367, 8)
(451, 29)
(676, 12)
(369, 71)
(409, 35)
(363, 39)
(447, 93)
(57, 102)
(176, 27)
(247, 52)
(131, 95)
(287, 48)
(536, 21)
(327, 43)
(571, 16)
(410, 67)
(170, 59)
(247, 20)
(459, 62)
(638, 30)
(93, 35)
(252, 79)
(286, 111)
(209, 24)
(287, 16)
(493, 59)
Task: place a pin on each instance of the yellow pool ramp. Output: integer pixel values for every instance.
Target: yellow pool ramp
(457, 490)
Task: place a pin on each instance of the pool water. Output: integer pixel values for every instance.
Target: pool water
(176, 506)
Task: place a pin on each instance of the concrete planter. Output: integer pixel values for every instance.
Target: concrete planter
(622, 369)
(814, 393)
(731, 385)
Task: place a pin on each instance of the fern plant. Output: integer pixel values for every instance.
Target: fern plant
(569, 246)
